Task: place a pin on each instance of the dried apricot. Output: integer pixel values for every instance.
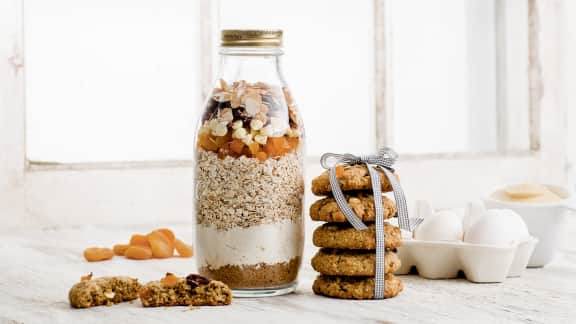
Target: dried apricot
(246, 151)
(170, 280)
(254, 148)
(293, 143)
(339, 171)
(276, 146)
(139, 240)
(261, 156)
(207, 142)
(223, 152)
(119, 249)
(221, 141)
(236, 146)
(183, 249)
(161, 245)
(138, 252)
(98, 254)
(168, 232)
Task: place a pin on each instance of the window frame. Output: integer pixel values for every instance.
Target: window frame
(47, 194)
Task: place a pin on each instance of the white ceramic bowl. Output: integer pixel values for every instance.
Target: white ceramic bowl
(545, 221)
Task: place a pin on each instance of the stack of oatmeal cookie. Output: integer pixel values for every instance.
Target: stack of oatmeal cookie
(346, 260)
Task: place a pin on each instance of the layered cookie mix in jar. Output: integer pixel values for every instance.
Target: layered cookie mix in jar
(249, 184)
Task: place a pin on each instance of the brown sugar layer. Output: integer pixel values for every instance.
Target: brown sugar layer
(361, 203)
(103, 291)
(242, 192)
(344, 236)
(193, 290)
(352, 262)
(262, 275)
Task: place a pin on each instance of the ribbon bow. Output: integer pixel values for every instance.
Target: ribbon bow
(384, 160)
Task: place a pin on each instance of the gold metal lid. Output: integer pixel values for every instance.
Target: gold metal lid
(251, 37)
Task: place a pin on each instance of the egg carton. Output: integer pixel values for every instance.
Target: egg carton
(480, 263)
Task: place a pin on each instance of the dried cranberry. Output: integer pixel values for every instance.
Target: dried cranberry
(211, 109)
(241, 114)
(195, 280)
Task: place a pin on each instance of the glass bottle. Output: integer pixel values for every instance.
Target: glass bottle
(249, 185)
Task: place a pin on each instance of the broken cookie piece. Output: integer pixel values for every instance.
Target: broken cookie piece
(193, 290)
(103, 291)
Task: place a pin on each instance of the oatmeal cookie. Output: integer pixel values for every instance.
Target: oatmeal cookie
(362, 204)
(193, 290)
(352, 177)
(344, 236)
(354, 287)
(352, 263)
(103, 291)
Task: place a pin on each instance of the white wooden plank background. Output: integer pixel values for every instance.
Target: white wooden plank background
(39, 266)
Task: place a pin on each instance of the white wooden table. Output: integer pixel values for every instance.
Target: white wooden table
(38, 267)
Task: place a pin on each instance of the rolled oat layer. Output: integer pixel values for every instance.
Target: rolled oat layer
(243, 192)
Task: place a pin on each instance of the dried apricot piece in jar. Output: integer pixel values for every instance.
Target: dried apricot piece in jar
(183, 249)
(168, 232)
(138, 252)
(261, 156)
(254, 148)
(120, 249)
(98, 254)
(139, 240)
(293, 143)
(246, 151)
(276, 146)
(161, 245)
(237, 146)
(221, 141)
(270, 149)
(206, 142)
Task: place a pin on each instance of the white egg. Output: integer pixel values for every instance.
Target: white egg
(440, 226)
(496, 227)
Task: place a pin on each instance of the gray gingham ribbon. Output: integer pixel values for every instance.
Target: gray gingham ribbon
(384, 160)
